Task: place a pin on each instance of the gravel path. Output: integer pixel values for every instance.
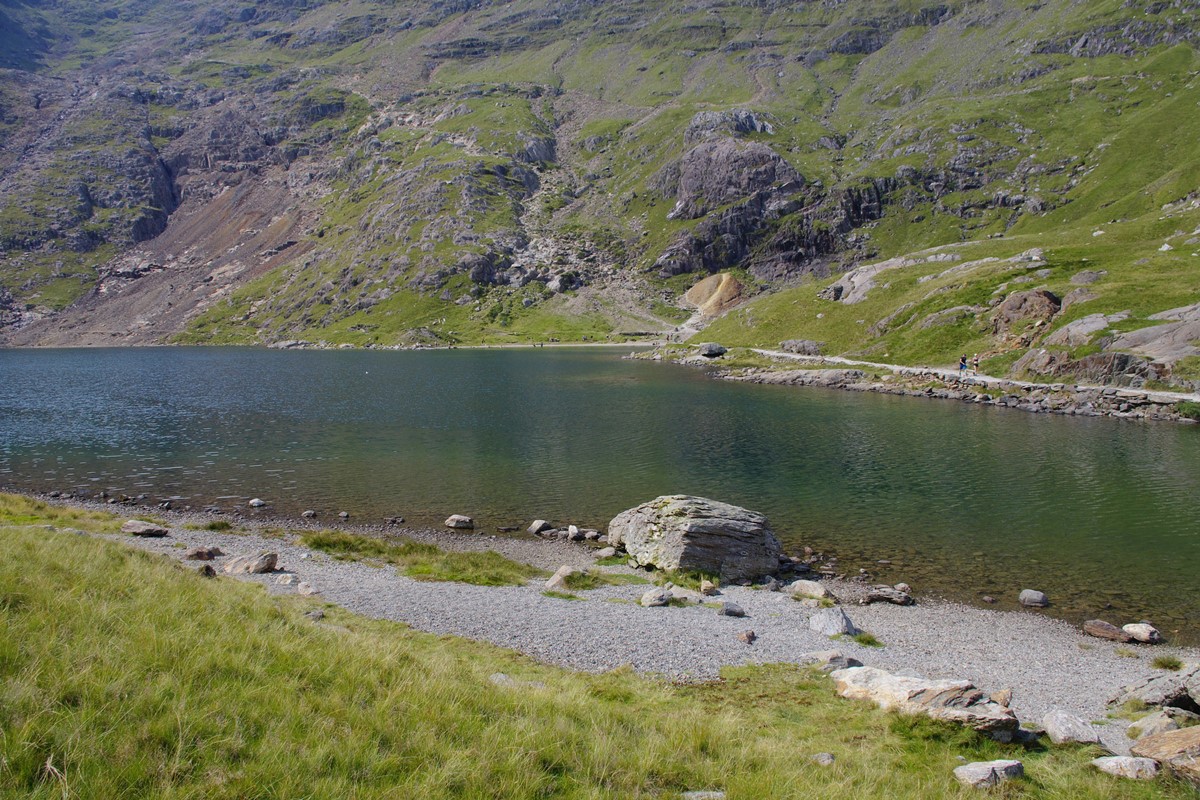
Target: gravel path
(1046, 662)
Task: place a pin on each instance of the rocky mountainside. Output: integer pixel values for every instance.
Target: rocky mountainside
(1011, 178)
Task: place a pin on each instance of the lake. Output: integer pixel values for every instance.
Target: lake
(964, 501)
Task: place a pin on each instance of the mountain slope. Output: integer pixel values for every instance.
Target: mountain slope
(441, 172)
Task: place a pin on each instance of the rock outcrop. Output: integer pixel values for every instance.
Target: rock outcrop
(951, 701)
(1178, 751)
(681, 532)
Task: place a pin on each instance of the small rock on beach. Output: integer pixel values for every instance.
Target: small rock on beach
(139, 527)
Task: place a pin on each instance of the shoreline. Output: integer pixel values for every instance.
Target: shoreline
(835, 372)
(1048, 663)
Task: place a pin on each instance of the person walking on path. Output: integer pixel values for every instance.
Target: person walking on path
(962, 364)
(975, 364)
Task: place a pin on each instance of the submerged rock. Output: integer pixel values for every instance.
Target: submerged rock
(460, 522)
(1032, 598)
(681, 532)
(1105, 630)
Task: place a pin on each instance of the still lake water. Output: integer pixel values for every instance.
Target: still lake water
(964, 501)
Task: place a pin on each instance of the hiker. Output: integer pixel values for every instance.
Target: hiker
(975, 364)
(962, 364)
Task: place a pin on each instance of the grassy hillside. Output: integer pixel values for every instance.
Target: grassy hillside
(495, 173)
(127, 675)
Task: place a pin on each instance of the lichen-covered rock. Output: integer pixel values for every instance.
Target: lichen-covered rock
(681, 532)
(951, 701)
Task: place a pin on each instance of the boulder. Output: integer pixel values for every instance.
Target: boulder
(952, 701)
(1063, 727)
(252, 565)
(1032, 598)
(539, 526)
(139, 527)
(306, 589)
(832, 622)
(681, 532)
(824, 759)
(803, 588)
(257, 503)
(1035, 305)
(203, 553)
(729, 609)
(747, 637)
(460, 522)
(1142, 632)
(605, 552)
(1138, 769)
(887, 594)
(656, 597)
(1178, 751)
(986, 774)
(712, 350)
(708, 588)
(288, 580)
(308, 513)
(558, 581)
(1105, 630)
(206, 571)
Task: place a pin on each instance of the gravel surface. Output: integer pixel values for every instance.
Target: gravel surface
(1046, 662)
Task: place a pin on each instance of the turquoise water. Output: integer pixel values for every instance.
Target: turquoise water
(964, 501)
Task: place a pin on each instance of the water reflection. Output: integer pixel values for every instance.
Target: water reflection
(963, 499)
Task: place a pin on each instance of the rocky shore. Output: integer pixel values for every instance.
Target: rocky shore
(861, 376)
(1035, 665)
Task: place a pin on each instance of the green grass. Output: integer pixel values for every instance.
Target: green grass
(867, 639)
(113, 686)
(425, 561)
(560, 595)
(1188, 410)
(1170, 663)
(221, 525)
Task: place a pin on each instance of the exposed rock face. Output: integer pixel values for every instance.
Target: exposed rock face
(1120, 369)
(681, 532)
(1178, 751)
(1034, 305)
(716, 173)
(138, 527)
(708, 124)
(952, 701)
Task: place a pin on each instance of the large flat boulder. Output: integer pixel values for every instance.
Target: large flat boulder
(681, 532)
(952, 701)
(1180, 689)
(1178, 751)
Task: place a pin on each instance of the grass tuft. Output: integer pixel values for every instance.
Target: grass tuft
(1170, 663)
